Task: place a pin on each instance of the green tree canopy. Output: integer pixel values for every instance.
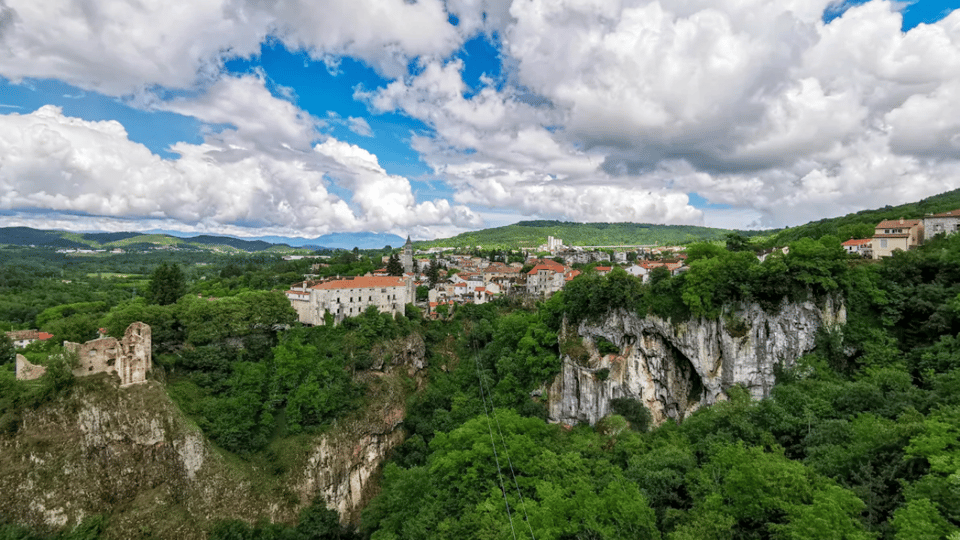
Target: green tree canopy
(167, 284)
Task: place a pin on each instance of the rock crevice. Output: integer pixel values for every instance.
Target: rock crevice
(676, 368)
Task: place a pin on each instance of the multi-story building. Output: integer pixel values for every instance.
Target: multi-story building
(891, 234)
(547, 277)
(946, 222)
(349, 297)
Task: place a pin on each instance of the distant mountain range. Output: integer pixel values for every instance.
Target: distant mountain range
(26, 236)
(525, 234)
(362, 240)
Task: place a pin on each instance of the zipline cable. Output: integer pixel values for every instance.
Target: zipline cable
(493, 443)
(513, 475)
(523, 504)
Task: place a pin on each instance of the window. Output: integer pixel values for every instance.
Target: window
(883, 242)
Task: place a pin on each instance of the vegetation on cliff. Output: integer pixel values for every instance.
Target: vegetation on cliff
(860, 440)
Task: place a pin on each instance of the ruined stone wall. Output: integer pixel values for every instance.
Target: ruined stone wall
(96, 356)
(129, 358)
(27, 371)
(136, 359)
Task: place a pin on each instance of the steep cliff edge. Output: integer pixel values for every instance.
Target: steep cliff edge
(674, 369)
(131, 454)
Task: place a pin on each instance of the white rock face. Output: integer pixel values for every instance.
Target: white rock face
(131, 453)
(674, 369)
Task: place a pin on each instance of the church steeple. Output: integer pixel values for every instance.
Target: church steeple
(406, 258)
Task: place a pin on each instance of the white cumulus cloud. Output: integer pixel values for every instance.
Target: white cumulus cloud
(619, 108)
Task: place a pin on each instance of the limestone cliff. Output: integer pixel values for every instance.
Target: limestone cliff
(344, 462)
(129, 452)
(675, 368)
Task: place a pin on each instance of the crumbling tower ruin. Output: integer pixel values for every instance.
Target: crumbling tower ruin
(130, 357)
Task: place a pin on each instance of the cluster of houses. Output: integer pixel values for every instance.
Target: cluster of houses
(903, 234)
(22, 338)
(463, 279)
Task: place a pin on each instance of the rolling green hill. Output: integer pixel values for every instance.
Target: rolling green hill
(861, 224)
(26, 236)
(530, 234)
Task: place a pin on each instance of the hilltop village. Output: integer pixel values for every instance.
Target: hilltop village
(437, 281)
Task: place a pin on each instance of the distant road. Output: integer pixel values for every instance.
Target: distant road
(631, 246)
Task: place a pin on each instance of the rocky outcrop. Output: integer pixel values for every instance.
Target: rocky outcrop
(676, 368)
(344, 466)
(130, 453)
(126, 452)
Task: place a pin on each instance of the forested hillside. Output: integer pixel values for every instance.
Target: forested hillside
(861, 439)
(861, 224)
(25, 236)
(530, 234)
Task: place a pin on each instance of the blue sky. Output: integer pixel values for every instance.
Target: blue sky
(435, 117)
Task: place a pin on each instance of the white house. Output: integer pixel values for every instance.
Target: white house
(349, 297)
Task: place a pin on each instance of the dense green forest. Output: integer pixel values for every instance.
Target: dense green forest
(860, 440)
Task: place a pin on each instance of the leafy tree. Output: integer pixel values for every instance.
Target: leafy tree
(313, 388)
(459, 494)
(633, 411)
(8, 353)
(704, 250)
(242, 421)
(769, 495)
(433, 272)
(394, 268)
(167, 284)
(737, 242)
(423, 293)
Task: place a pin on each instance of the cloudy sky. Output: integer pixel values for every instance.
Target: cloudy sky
(431, 117)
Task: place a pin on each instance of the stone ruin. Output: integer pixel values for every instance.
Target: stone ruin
(27, 371)
(130, 357)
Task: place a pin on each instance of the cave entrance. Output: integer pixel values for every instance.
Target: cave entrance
(684, 386)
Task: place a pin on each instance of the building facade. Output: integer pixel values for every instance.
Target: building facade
(349, 297)
(22, 338)
(891, 235)
(859, 246)
(945, 223)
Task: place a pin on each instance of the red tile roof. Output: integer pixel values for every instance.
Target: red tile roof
(361, 282)
(896, 223)
(546, 264)
(952, 213)
(857, 242)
